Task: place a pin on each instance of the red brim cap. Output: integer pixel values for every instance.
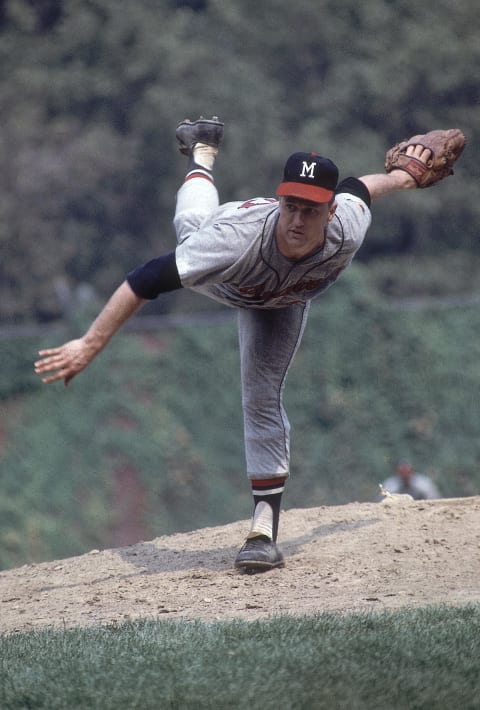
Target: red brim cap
(312, 193)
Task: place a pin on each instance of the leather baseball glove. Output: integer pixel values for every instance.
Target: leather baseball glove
(445, 146)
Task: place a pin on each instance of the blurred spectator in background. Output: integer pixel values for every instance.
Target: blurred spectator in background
(406, 480)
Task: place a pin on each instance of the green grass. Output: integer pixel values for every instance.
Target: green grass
(417, 659)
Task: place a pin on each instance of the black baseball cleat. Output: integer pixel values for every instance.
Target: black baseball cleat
(205, 130)
(259, 554)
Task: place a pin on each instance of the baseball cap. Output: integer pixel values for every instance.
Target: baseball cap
(309, 177)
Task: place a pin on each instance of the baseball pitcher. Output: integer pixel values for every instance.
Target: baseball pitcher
(268, 258)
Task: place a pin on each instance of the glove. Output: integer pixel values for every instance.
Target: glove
(446, 147)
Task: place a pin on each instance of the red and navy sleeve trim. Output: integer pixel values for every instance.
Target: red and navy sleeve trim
(155, 277)
(356, 187)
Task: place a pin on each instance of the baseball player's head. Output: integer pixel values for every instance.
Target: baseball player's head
(307, 204)
(404, 470)
(308, 176)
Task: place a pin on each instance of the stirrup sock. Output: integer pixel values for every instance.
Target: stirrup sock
(201, 161)
(267, 495)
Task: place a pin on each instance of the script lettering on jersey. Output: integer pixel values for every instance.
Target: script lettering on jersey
(259, 292)
(308, 170)
(256, 201)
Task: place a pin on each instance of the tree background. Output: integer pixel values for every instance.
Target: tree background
(91, 92)
(150, 440)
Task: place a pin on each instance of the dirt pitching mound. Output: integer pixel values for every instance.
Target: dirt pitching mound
(355, 557)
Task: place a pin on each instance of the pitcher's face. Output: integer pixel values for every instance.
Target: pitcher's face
(301, 226)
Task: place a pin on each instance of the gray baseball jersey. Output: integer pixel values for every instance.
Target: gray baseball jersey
(233, 257)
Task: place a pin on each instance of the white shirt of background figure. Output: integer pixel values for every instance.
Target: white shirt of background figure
(406, 480)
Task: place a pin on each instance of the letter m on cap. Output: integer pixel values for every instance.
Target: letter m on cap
(308, 170)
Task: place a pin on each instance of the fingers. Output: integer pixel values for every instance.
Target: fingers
(55, 377)
(64, 362)
(49, 362)
(57, 372)
(56, 362)
(50, 351)
(419, 152)
(64, 374)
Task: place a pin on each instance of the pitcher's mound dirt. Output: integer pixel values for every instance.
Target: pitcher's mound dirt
(355, 557)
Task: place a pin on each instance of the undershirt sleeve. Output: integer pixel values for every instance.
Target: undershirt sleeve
(157, 276)
(356, 187)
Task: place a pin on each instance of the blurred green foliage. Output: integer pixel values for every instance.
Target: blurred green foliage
(91, 92)
(151, 436)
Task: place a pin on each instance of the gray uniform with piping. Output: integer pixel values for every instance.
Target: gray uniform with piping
(229, 253)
